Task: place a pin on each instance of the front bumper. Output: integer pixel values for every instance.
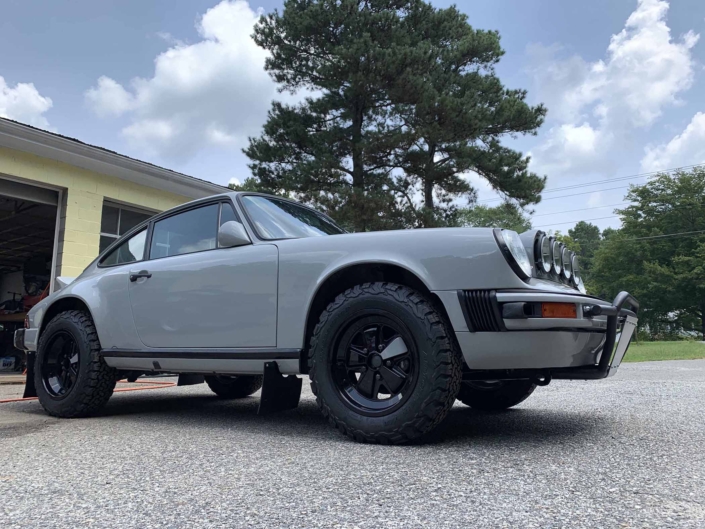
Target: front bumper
(498, 344)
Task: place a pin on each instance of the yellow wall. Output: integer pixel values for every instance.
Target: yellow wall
(84, 193)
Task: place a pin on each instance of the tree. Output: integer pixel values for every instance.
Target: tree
(333, 150)
(589, 238)
(658, 254)
(402, 95)
(507, 216)
(454, 113)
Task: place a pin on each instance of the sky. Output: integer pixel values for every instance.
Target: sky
(182, 85)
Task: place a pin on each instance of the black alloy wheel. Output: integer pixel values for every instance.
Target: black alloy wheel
(60, 365)
(374, 366)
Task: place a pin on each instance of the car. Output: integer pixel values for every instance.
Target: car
(246, 291)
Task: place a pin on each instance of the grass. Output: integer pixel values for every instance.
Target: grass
(651, 351)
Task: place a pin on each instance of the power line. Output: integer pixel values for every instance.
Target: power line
(576, 221)
(616, 179)
(678, 234)
(583, 209)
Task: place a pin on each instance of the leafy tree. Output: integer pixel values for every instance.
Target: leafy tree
(507, 216)
(589, 238)
(453, 115)
(658, 254)
(403, 97)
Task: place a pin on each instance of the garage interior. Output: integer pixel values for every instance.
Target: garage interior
(28, 217)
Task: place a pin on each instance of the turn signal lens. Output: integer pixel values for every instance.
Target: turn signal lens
(558, 310)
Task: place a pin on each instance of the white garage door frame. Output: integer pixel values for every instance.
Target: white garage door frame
(41, 193)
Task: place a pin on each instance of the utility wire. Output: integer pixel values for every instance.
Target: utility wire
(576, 221)
(583, 209)
(616, 179)
(679, 234)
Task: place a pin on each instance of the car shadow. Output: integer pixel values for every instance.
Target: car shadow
(525, 425)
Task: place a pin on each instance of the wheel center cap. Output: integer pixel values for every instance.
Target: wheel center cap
(375, 361)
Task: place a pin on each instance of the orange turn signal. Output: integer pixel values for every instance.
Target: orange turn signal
(558, 310)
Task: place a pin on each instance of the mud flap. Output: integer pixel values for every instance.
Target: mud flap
(279, 393)
(189, 379)
(29, 389)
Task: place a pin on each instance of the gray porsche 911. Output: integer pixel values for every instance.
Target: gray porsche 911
(245, 291)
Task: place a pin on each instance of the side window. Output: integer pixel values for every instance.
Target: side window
(192, 231)
(130, 251)
(227, 214)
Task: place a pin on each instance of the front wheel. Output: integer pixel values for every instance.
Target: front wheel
(70, 377)
(383, 365)
(495, 395)
(234, 387)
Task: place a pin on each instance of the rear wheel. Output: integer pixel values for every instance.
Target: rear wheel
(494, 395)
(234, 387)
(70, 377)
(382, 364)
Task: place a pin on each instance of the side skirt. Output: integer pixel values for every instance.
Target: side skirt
(204, 361)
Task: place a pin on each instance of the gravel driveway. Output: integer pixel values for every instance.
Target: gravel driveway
(626, 452)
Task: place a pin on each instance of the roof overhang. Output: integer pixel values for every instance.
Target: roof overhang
(55, 147)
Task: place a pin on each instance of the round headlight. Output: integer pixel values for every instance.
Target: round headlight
(567, 257)
(518, 259)
(545, 254)
(557, 257)
(577, 277)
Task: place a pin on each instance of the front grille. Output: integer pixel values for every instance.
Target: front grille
(481, 310)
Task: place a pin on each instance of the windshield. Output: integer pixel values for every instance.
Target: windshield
(281, 219)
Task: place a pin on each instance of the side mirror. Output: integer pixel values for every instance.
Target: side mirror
(232, 234)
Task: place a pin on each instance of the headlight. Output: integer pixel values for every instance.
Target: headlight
(567, 258)
(557, 257)
(577, 277)
(514, 252)
(544, 254)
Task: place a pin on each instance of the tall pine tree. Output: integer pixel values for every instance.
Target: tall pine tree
(454, 115)
(403, 101)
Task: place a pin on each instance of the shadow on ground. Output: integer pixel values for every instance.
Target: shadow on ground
(463, 425)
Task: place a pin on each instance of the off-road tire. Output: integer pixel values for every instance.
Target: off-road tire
(509, 393)
(96, 380)
(236, 387)
(440, 365)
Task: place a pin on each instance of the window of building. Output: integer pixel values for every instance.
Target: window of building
(116, 221)
(130, 251)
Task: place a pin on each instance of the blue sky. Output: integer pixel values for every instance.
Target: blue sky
(181, 84)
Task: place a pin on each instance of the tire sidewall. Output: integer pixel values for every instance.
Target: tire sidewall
(325, 347)
(64, 405)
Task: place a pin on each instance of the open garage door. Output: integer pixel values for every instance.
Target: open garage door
(28, 218)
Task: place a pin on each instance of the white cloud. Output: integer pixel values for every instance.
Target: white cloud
(109, 98)
(24, 103)
(214, 92)
(687, 148)
(234, 181)
(598, 104)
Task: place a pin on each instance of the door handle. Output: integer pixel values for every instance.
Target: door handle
(134, 276)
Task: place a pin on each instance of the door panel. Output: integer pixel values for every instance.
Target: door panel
(217, 298)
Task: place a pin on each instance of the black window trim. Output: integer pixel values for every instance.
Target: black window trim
(281, 199)
(149, 224)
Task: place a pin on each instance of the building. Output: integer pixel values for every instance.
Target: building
(62, 201)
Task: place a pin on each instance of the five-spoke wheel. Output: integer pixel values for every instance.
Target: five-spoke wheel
(60, 365)
(374, 369)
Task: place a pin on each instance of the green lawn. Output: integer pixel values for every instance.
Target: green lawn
(649, 351)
